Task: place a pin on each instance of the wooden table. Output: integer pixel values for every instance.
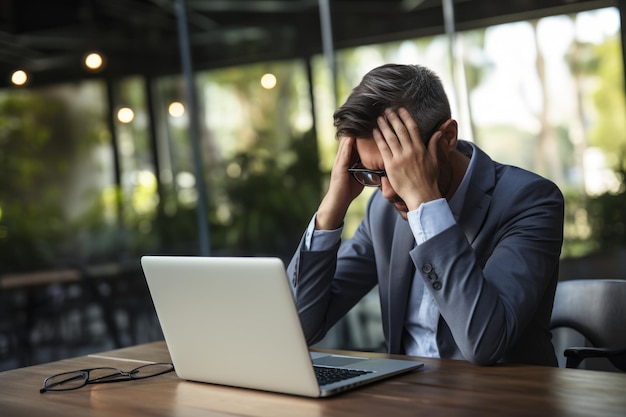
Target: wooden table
(441, 388)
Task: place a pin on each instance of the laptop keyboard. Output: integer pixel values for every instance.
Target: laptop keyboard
(326, 375)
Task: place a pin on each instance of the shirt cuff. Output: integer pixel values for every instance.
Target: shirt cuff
(319, 240)
(430, 219)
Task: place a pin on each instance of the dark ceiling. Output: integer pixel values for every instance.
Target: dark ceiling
(48, 38)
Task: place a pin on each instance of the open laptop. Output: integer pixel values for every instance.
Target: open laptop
(233, 321)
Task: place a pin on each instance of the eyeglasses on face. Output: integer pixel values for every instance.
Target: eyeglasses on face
(72, 380)
(368, 177)
(373, 177)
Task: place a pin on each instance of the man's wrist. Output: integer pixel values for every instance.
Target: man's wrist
(329, 218)
(320, 239)
(430, 219)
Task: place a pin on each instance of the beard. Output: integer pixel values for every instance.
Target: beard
(400, 205)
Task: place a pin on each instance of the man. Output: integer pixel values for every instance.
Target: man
(465, 250)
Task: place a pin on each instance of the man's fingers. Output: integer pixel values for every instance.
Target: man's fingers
(409, 125)
(382, 143)
(433, 145)
(389, 135)
(404, 129)
(400, 131)
(344, 153)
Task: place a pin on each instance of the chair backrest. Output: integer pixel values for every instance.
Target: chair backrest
(596, 308)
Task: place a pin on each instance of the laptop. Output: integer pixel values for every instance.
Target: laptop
(233, 321)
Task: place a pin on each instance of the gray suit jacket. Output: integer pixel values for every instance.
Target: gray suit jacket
(492, 275)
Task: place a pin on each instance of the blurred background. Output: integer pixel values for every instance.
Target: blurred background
(204, 127)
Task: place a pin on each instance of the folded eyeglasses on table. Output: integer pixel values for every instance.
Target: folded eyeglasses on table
(72, 380)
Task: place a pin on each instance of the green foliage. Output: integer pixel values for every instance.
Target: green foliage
(607, 219)
(30, 164)
(609, 132)
(269, 204)
(607, 214)
(39, 140)
(576, 230)
(264, 184)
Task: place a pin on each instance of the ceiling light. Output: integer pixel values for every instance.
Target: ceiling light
(19, 77)
(93, 61)
(176, 109)
(268, 81)
(125, 115)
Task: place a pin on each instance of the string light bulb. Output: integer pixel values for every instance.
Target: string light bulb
(19, 78)
(268, 81)
(125, 115)
(176, 109)
(94, 61)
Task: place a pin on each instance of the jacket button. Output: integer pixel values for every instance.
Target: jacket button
(433, 276)
(437, 285)
(427, 268)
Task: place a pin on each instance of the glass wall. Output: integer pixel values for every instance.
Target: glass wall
(261, 156)
(55, 166)
(90, 187)
(546, 95)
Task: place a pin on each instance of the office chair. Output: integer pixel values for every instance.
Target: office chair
(596, 308)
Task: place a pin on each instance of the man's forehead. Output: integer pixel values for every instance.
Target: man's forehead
(368, 153)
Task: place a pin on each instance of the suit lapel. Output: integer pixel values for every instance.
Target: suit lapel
(478, 198)
(399, 283)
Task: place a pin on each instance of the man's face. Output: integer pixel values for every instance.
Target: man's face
(371, 159)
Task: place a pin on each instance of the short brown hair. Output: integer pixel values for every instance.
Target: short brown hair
(413, 87)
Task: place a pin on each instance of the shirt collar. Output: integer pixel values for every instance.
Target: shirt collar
(456, 202)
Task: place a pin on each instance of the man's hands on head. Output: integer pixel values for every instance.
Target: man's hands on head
(412, 169)
(342, 189)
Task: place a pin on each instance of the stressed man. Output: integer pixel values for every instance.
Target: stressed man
(465, 251)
